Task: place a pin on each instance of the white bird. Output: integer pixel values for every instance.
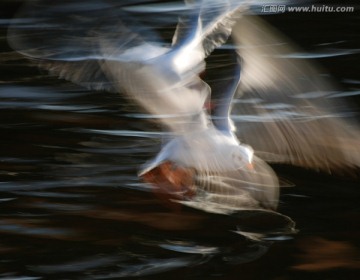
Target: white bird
(203, 164)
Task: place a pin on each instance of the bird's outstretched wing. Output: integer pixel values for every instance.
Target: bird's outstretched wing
(59, 38)
(285, 109)
(101, 46)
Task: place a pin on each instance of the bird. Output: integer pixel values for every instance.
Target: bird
(210, 160)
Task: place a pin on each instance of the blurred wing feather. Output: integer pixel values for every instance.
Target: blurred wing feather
(284, 112)
(87, 73)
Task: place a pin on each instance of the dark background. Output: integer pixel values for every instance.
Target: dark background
(72, 207)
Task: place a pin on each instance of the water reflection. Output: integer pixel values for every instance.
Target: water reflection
(125, 234)
(321, 254)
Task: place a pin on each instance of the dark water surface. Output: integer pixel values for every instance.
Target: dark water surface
(72, 206)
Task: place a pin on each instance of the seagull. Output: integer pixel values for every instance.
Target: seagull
(268, 110)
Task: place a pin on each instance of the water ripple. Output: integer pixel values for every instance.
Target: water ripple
(148, 267)
(321, 54)
(128, 133)
(18, 227)
(77, 266)
(190, 248)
